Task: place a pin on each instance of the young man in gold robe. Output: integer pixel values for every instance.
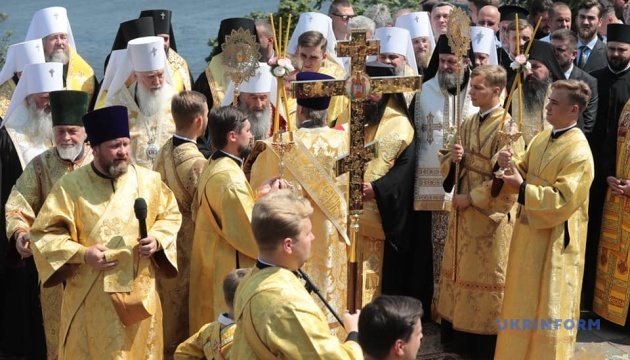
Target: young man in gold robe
(309, 165)
(180, 164)
(222, 209)
(541, 305)
(276, 317)
(31, 188)
(476, 249)
(85, 235)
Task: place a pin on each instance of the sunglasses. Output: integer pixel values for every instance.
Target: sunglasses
(344, 17)
(486, 23)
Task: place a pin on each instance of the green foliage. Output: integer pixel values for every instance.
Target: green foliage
(4, 41)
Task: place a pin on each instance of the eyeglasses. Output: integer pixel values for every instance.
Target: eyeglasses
(344, 17)
(486, 23)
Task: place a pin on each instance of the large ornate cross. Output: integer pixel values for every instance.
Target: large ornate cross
(430, 127)
(357, 87)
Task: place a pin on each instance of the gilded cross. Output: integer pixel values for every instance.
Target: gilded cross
(430, 127)
(52, 72)
(357, 87)
(162, 15)
(153, 51)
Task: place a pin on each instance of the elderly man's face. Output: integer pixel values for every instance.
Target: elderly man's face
(421, 46)
(538, 73)
(255, 102)
(489, 17)
(42, 101)
(151, 80)
(56, 48)
(396, 60)
(69, 140)
(482, 59)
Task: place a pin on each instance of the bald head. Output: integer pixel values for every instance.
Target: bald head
(489, 17)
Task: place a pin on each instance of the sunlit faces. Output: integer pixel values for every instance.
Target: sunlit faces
(564, 56)
(56, 48)
(396, 60)
(112, 157)
(69, 140)
(167, 41)
(421, 49)
(482, 95)
(525, 36)
(439, 19)
(539, 72)
(588, 21)
(254, 102)
(340, 20)
(618, 55)
(41, 101)
(560, 111)
(311, 57)
(561, 19)
(301, 245)
(150, 80)
(482, 59)
(243, 139)
(489, 17)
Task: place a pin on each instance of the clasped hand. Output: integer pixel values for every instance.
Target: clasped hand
(23, 245)
(619, 187)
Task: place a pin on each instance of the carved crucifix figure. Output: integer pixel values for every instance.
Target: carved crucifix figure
(357, 87)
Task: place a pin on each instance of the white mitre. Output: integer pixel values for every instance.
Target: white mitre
(312, 21)
(21, 54)
(395, 40)
(484, 41)
(418, 24)
(36, 78)
(142, 54)
(262, 82)
(48, 21)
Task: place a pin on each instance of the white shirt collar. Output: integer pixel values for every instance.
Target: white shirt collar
(568, 72)
(490, 110)
(590, 45)
(238, 159)
(563, 129)
(223, 319)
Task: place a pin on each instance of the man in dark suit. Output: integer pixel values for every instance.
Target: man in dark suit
(591, 50)
(565, 43)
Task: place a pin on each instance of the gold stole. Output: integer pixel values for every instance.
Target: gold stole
(80, 75)
(6, 92)
(222, 338)
(180, 75)
(315, 180)
(217, 86)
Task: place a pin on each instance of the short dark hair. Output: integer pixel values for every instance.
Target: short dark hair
(385, 320)
(313, 39)
(539, 6)
(566, 34)
(221, 121)
(336, 4)
(481, 3)
(186, 106)
(588, 4)
(230, 283)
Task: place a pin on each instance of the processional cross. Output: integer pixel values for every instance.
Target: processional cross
(357, 87)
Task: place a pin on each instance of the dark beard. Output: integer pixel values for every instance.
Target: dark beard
(618, 63)
(374, 110)
(534, 95)
(244, 151)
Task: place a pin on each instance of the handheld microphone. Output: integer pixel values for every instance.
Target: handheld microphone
(140, 208)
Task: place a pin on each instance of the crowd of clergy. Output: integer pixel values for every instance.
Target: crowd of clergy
(150, 215)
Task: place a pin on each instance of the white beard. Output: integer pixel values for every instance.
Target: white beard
(39, 122)
(69, 153)
(151, 103)
(58, 57)
(260, 121)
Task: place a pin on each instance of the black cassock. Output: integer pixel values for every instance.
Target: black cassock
(21, 324)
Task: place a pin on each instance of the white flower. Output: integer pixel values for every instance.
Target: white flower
(279, 71)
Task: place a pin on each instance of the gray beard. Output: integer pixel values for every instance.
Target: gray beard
(151, 103)
(69, 153)
(260, 121)
(115, 171)
(534, 95)
(449, 80)
(58, 57)
(39, 122)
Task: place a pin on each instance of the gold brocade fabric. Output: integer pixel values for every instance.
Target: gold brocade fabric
(213, 341)
(80, 75)
(475, 258)
(83, 210)
(179, 71)
(339, 108)
(23, 204)
(218, 79)
(313, 171)
(544, 277)
(273, 306)
(612, 286)
(6, 92)
(222, 210)
(144, 130)
(180, 168)
(393, 133)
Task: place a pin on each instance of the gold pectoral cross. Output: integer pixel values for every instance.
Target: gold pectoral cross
(357, 87)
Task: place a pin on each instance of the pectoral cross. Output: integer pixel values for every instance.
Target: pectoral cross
(52, 72)
(153, 51)
(430, 126)
(357, 87)
(162, 15)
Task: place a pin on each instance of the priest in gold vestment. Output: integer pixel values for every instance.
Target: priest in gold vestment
(180, 164)
(222, 209)
(52, 26)
(473, 270)
(32, 187)
(276, 318)
(546, 258)
(310, 165)
(147, 98)
(85, 235)
(612, 287)
(17, 57)
(387, 187)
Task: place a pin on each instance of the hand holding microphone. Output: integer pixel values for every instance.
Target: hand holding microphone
(148, 244)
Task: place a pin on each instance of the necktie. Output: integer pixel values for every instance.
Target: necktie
(582, 58)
